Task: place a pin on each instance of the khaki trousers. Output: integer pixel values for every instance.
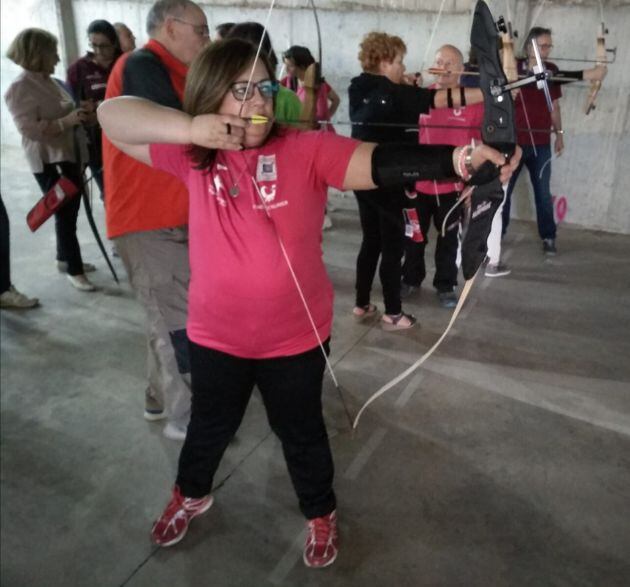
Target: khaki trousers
(157, 265)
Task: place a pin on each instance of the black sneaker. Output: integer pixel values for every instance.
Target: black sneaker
(406, 290)
(549, 247)
(448, 299)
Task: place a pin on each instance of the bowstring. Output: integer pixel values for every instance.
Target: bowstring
(539, 9)
(258, 50)
(279, 238)
(433, 31)
(298, 286)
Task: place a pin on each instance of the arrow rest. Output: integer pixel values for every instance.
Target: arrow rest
(501, 25)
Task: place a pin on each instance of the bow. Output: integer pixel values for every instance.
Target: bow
(498, 131)
(88, 211)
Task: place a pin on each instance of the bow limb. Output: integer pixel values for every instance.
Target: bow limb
(385, 388)
(90, 217)
(601, 59)
(309, 106)
(508, 58)
(319, 33)
(312, 80)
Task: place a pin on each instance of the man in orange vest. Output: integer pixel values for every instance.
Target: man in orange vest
(147, 210)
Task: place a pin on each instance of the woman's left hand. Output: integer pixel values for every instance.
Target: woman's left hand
(482, 153)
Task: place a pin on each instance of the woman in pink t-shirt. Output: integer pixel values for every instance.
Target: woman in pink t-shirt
(297, 60)
(260, 301)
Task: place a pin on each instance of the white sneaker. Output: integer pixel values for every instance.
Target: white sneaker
(153, 415)
(81, 282)
(62, 267)
(173, 431)
(12, 298)
(497, 270)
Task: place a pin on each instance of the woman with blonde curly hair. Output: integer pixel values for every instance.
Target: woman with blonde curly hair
(380, 97)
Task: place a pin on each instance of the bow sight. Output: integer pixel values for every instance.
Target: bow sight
(540, 74)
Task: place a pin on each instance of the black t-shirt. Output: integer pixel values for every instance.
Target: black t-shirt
(146, 76)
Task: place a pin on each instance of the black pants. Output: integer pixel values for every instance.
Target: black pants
(383, 229)
(291, 389)
(5, 249)
(68, 249)
(413, 270)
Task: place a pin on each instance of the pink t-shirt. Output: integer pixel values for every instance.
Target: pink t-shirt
(322, 110)
(242, 297)
(453, 117)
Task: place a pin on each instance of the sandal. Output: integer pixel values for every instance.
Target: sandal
(363, 312)
(400, 321)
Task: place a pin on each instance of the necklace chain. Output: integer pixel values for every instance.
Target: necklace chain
(234, 190)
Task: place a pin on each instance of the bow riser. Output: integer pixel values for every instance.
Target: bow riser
(498, 126)
(498, 131)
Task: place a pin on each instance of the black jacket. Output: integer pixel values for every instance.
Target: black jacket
(376, 99)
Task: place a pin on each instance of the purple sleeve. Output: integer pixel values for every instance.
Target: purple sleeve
(172, 159)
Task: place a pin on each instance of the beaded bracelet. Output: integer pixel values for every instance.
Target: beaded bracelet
(462, 168)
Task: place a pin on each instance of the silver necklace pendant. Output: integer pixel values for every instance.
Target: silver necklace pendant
(234, 191)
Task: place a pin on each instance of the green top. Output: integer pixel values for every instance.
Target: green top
(288, 106)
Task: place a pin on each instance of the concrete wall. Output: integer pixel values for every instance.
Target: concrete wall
(589, 175)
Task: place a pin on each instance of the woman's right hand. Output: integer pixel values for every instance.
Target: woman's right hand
(480, 154)
(76, 117)
(218, 131)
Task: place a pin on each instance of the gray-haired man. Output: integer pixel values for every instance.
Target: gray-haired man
(147, 210)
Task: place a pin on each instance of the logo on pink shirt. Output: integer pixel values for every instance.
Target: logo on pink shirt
(266, 168)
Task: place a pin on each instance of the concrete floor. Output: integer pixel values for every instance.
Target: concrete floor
(504, 461)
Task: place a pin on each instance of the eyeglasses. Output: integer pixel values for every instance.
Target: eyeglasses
(201, 30)
(242, 91)
(101, 46)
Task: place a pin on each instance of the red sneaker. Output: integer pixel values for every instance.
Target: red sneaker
(173, 523)
(322, 542)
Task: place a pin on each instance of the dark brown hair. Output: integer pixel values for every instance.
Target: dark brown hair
(209, 79)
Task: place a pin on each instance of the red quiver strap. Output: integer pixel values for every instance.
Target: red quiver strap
(56, 197)
(412, 225)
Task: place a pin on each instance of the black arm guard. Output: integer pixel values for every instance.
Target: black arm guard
(571, 76)
(396, 165)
